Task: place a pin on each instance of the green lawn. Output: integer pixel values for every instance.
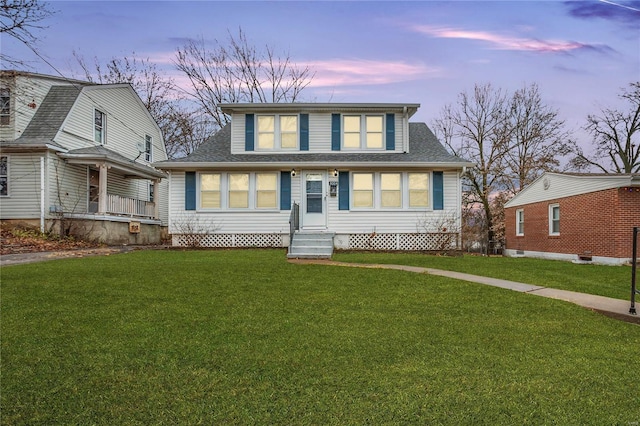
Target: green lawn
(603, 280)
(243, 337)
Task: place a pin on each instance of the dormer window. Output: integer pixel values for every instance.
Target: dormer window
(99, 126)
(363, 132)
(5, 106)
(277, 132)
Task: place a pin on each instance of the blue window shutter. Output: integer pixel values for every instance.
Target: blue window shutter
(438, 191)
(391, 132)
(249, 134)
(190, 190)
(304, 132)
(335, 132)
(343, 191)
(285, 191)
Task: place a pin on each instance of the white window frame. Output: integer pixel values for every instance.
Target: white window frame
(225, 192)
(404, 192)
(258, 191)
(520, 222)
(103, 127)
(277, 133)
(6, 176)
(5, 114)
(201, 190)
(552, 207)
(148, 148)
(372, 190)
(364, 132)
(399, 190)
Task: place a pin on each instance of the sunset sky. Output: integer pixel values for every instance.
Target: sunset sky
(579, 53)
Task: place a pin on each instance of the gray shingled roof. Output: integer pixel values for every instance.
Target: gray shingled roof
(100, 153)
(424, 147)
(49, 118)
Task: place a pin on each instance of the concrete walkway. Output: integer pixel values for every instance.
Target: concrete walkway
(614, 308)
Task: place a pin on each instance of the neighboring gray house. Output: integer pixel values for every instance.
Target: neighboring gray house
(349, 176)
(76, 157)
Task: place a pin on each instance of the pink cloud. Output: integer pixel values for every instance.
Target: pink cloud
(360, 72)
(502, 42)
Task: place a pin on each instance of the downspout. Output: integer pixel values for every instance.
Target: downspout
(42, 194)
(405, 130)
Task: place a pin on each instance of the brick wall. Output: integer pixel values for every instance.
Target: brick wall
(597, 224)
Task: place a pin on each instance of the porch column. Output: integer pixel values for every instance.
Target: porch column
(102, 189)
(156, 204)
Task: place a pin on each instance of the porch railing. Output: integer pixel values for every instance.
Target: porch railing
(294, 222)
(129, 206)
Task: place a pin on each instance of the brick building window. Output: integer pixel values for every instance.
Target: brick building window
(554, 219)
(520, 222)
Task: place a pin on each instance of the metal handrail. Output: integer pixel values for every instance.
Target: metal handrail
(294, 222)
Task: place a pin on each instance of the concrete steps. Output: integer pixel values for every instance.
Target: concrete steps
(311, 245)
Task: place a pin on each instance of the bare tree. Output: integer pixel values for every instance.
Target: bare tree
(479, 129)
(616, 136)
(238, 72)
(183, 130)
(20, 19)
(539, 140)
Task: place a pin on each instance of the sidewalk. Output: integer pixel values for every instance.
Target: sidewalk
(41, 256)
(615, 308)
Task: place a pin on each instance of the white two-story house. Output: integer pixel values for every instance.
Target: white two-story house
(359, 176)
(76, 158)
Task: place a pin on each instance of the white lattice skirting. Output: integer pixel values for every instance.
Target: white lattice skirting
(404, 242)
(375, 241)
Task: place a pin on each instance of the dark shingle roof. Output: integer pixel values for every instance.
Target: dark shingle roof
(424, 147)
(46, 122)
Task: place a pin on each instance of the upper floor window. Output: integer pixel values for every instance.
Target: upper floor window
(363, 131)
(277, 132)
(554, 219)
(520, 222)
(148, 144)
(99, 121)
(5, 106)
(4, 175)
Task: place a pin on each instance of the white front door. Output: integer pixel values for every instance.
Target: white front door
(314, 205)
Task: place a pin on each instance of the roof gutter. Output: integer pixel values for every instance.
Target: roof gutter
(310, 165)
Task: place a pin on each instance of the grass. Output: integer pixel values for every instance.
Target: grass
(242, 337)
(603, 280)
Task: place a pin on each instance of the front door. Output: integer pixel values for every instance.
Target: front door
(314, 206)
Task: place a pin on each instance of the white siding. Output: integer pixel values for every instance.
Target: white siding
(561, 185)
(339, 221)
(127, 123)
(319, 133)
(23, 201)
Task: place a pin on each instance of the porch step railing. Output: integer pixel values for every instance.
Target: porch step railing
(126, 206)
(294, 222)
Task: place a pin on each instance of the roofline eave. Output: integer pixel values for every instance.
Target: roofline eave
(310, 165)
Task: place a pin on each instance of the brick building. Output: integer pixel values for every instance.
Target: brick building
(578, 217)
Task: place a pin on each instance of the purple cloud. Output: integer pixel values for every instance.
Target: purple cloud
(625, 12)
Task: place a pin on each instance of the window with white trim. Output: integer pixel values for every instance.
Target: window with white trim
(363, 131)
(277, 132)
(148, 146)
(418, 184)
(5, 106)
(4, 176)
(554, 219)
(238, 190)
(210, 191)
(266, 190)
(362, 190)
(99, 122)
(390, 190)
(520, 222)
